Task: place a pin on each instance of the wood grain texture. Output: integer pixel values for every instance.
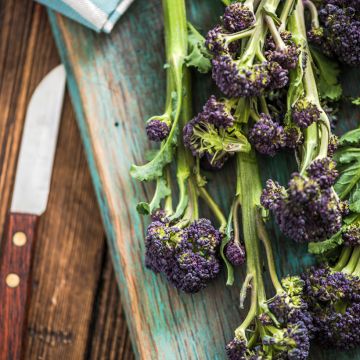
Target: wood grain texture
(69, 263)
(116, 82)
(15, 262)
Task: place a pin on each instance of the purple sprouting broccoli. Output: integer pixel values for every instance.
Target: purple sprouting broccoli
(293, 136)
(236, 349)
(157, 129)
(196, 261)
(341, 22)
(236, 80)
(213, 134)
(219, 112)
(333, 145)
(324, 172)
(220, 42)
(333, 298)
(235, 253)
(308, 210)
(282, 49)
(304, 113)
(237, 17)
(351, 233)
(187, 255)
(336, 29)
(267, 136)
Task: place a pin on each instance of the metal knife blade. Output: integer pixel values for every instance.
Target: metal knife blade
(37, 149)
(32, 184)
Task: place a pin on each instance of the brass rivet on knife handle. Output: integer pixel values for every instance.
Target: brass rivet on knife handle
(19, 238)
(12, 280)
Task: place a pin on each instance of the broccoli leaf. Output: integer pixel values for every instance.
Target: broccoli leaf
(350, 138)
(162, 190)
(198, 56)
(354, 200)
(154, 168)
(347, 180)
(328, 72)
(324, 246)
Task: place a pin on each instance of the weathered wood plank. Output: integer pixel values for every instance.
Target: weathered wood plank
(69, 261)
(116, 82)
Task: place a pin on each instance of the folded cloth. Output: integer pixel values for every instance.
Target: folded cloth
(99, 15)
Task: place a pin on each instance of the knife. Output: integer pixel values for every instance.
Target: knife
(29, 200)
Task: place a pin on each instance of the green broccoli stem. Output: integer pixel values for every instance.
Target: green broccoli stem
(249, 185)
(185, 161)
(313, 147)
(313, 13)
(351, 265)
(257, 38)
(275, 34)
(285, 14)
(176, 40)
(264, 237)
(343, 259)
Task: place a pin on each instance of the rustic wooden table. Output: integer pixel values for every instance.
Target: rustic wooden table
(75, 310)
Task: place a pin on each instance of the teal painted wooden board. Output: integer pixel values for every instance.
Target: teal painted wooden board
(116, 82)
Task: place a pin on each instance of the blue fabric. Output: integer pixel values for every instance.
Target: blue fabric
(108, 7)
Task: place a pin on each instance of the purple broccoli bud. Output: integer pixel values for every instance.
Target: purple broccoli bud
(278, 76)
(316, 35)
(273, 195)
(286, 55)
(218, 113)
(159, 249)
(351, 234)
(291, 343)
(217, 44)
(237, 17)
(293, 137)
(157, 130)
(236, 80)
(341, 23)
(236, 349)
(304, 113)
(324, 172)
(308, 212)
(216, 144)
(267, 136)
(235, 253)
(333, 145)
(196, 260)
(334, 302)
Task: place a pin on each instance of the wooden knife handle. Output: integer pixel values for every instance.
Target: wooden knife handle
(15, 282)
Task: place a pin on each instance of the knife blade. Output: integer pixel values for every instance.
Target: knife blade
(29, 200)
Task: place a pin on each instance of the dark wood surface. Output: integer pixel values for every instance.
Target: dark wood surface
(75, 310)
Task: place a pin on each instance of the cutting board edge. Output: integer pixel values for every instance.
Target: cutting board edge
(96, 180)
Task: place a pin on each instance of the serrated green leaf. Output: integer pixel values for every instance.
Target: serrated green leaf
(328, 72)
(324, 246)
(198, 56)
(350, 138)
(349, 177)
(347, 155)
(354, 199)
(164, 156)
(162, 190)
